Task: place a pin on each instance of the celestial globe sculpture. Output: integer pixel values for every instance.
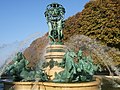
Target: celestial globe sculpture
(55, 19)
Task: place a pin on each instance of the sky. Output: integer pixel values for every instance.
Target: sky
(21, 18)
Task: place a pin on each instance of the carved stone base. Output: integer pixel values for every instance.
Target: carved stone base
(55, 53)
(93, 85)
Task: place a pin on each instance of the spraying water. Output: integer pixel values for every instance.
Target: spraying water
(94, 46)
(19, 47)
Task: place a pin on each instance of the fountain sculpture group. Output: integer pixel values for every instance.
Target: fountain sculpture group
(62, 66)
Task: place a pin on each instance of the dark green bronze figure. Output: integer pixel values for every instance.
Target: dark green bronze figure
(77, 68)
(55, 19)
(20, 72)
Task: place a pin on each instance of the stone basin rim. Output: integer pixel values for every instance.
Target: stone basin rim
(82, 84)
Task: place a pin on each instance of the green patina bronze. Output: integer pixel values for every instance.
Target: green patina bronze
(77, 68)
(55, 19)
(20, 72)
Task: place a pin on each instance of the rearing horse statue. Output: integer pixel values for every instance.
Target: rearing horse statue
(55, 19)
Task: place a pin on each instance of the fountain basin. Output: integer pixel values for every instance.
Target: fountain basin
(93, 85)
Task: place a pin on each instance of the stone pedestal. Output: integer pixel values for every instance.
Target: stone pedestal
(55, 53)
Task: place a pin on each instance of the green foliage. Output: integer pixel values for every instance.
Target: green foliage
(99, 20)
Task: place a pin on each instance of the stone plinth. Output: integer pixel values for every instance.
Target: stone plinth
(93, 85)
(55, 53)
